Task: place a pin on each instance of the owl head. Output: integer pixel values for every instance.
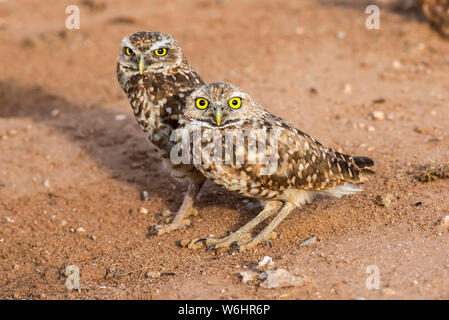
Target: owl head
(147, 51)
(220, 104)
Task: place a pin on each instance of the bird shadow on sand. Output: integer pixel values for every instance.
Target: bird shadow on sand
(118, 147)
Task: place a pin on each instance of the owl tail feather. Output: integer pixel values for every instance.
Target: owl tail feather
(363, 162)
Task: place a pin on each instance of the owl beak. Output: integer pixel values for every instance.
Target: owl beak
(218, 115)
(142, 65)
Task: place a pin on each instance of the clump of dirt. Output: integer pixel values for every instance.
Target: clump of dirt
(433, 172)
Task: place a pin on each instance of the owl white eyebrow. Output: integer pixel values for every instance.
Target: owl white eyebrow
(126, 42)
(159, 44)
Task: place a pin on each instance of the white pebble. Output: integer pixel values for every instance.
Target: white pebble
(120, 117)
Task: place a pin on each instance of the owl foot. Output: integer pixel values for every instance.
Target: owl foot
(173, 225)
(168, 216)
(263, 237)
(234, 239)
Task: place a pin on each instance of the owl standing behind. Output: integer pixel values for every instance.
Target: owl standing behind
(437, 11)
(303, 167)
(156, 77)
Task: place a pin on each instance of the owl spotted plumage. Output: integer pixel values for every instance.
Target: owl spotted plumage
(437, 11)
(303, 167)
(156, 77)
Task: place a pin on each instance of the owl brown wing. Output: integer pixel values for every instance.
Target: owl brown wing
(170, 92)
(304, 163)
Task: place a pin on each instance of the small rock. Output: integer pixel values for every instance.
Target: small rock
(63, 222)
(184, 243)
(308, 242)
(122, 20)
(120, 117)
(280, 278)
(378, 115)
(265, 264)
(143, 210)
(53, 218)
(80, 229)
(388, 292)
(10, 220)
(248, 276)
(152, 274)
(341, 35)
(144, 196)
(47, 184)
(444, 221)
(347, 88)
(379, 100)
(397, 64)
(385, 200)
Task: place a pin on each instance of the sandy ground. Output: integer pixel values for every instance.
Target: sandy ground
(70, 160)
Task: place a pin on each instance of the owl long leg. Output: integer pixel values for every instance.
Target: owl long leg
(242, 234)
(178, 220)
(266, 234)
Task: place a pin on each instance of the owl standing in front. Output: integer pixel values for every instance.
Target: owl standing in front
(156, 77)
(303, 168)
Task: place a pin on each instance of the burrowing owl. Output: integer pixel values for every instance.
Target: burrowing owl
(156, 77)
(438, 13)
(219, 113)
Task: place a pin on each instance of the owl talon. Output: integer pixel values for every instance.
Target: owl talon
(153, 232)
(234, 244)
(237, 248)
(159, 229)
(200, 240)
(270, 244)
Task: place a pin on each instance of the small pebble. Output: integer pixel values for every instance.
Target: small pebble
(144, 196)
(10, 220)
(47, 184)
(184, 243)
(143, 210)
(341, 35)
(396, 64)
(280, 278)
(347, 88)
(388, 292)
(385, 200)
(248, 276)
(444, 221)
(308, 242)
(265, 264)
(152, 274)
(378, 115)
(120, 117)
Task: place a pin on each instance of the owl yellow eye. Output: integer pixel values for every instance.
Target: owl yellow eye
(161, 52)
(128, 51)
(201, 103)
(235, 103)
